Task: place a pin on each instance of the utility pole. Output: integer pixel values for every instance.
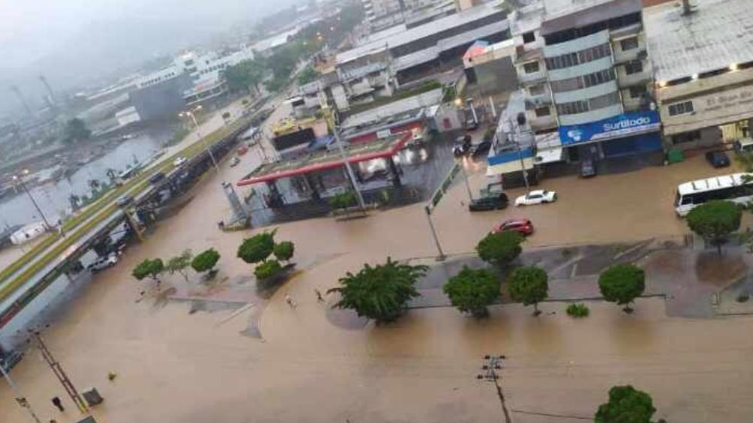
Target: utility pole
(349, 168)
(59, 372)
(490, 375)
(20, 180)
(20, 399)
(192, 115)
(441, 256)
(516, 140)
(467, 184)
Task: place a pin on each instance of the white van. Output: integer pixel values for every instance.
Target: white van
(744, 145)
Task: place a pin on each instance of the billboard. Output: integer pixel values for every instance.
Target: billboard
(624, 125)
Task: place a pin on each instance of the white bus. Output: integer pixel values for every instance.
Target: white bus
(735, 187)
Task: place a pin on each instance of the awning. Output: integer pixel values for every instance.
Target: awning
(551, 155)
(509, 167)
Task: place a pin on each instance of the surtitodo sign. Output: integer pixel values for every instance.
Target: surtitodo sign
(631, 123)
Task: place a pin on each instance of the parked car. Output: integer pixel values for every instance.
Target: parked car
(481, 148)
(536, 197)
(717, 158)
(471, 124)
(124, 200)
(744, 145)
(521, 226)
(156, 177)
(103, 263)
(180, 161)
(587, 168)
(462, 146)
(494, 202)
(234, 161)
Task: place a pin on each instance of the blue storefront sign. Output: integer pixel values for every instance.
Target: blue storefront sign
(624, 125)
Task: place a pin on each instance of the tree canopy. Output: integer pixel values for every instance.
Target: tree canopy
(180, 263)
(284, 250)
(268, 269)
(308, 74)
(380, 292)
(257, 248)
(76, 130)
(626, 405)
(529, 285)
(472, 291)
(500, 248)
(205, 261)
(715, 221)
(151, 268)
(622, 284)
(241, 76)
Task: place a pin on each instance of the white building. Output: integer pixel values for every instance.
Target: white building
(206, 70)
(703, 61)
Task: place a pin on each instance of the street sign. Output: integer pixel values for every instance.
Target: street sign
(443, 187)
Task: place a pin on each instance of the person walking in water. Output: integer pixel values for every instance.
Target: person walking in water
(318, 295)
(290, 301)
(57, 403)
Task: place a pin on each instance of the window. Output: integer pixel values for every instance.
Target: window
(681, 108)
(531, 67)
(529, 37)
(633, 67)
(629, 43)
(638, 91)
(536, 89)
(542, 111)
(686, 137)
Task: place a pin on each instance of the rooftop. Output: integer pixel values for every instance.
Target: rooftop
(717, 34)
(393, 37)
(392, 111)
(566, 14)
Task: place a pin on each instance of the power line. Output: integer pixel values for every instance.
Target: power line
(491, 367)
(564, 416)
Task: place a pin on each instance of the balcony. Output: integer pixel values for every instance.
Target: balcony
(585, 93)
(580, 70)
(576, 45)
(543, 122)
(525, 78)
(533, 101)
(624, 56)
(641, 78)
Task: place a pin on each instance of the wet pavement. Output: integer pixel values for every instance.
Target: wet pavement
(196, 361)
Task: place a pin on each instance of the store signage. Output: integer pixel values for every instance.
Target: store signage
(384, 133)
(626, 124)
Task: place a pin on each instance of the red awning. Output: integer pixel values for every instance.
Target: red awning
(356, 158)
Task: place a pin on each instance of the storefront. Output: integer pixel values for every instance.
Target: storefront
(626, 134)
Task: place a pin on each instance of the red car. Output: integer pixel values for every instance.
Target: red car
(521, 226)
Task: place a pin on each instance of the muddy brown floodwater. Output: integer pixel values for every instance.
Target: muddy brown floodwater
(176, 366)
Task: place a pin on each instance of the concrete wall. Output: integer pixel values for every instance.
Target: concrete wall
(161, 100)
(495, 76)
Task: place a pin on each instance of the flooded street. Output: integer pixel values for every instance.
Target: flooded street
(177, 366)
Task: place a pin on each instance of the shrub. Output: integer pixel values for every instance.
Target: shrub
(471, 291)
(500, 248)
(257, 248)
(151, 268)
(268, 269)
(577, 310)
(284, 250)
(343, 200)
(626, 404)
(205, 261)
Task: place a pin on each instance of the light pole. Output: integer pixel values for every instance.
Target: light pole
(348, 166)
(20, 179)
(20, 399)
(192, 115)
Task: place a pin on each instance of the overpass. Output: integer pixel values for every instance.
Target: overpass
(30, 275)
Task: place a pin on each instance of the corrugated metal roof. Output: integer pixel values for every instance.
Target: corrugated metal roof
(717, 34)
(579, 13)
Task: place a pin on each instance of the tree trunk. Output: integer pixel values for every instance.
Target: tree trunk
(536, 311)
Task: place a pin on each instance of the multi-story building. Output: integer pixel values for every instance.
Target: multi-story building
(206, 70)
(703, 61)
(374, 9)
(584, 70)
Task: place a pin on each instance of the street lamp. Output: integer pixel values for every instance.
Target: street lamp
(192, 115)
(20, 180)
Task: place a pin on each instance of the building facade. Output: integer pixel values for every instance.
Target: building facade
(704, 85)
(584, 70)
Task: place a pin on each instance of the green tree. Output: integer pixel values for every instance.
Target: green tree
(282, 63)
(500, 248)
(244, 75)
(715, 221)
(308, 74)
(380, 292)
(626, 405)
(343, 200)
(529, 285)
(268, 269)
(76, 130)
(179, 264)
(622, 284)
(472, 291)
(151, 268)
(257, 248)
(205, 261)
(284, 250)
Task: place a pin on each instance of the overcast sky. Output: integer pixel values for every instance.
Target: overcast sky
(59, 37)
